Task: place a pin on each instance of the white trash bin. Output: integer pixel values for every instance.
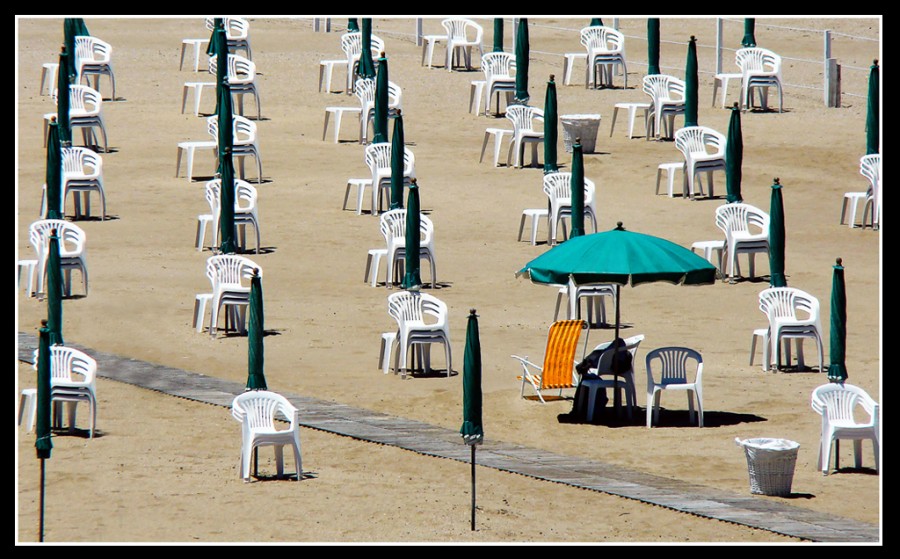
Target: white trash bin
(770, 463)
(580, 126)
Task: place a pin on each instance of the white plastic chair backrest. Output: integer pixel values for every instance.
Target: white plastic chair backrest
(91, 50)
(839, 400)
(663, 87)
(258, 409)
(236, 28)
(244, 192)
(241, 70)
(71, 237)
(599, 39)
(69, 367)
(83, 100)
(558, 187)
(377, 157)
(784, 302)
(523, 117)
(230, 270)
(674, 365)
(739, 217)
(498, 65)
(351, 44)
(393, 227)
(412, 307)
(758, 61)
(692, 140)
(458, 30)
(870, 167)
(243, 129)
(81, 162)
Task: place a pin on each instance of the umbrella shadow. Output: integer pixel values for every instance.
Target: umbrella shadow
(433, 373)
(608, 417)
(76, 432)
(96, 218)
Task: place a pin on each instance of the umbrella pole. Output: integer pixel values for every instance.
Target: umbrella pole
(41, 528)
(473, 487)
(617, 312)
(256, 462)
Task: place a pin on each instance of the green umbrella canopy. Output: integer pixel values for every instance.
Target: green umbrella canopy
(749, 39)
(256, 378)
(776, 238)
(734, 156)
(653, 45)
(550, 128)
(54, 290)
(522, 53)
(73, 27)
(596, 21)
(397, 153)
(837, 370)
(498, 34)
(366, 68)
(690, 84)
(43, 444)
(472, 430)
(577, 185)
(352, 25)
(379, 121)
(53, 177)
(224, 116)
(873, 123)
(62, 97)
(212, 47)
(412, 279)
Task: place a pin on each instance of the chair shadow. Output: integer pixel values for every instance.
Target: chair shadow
(76, 432)
(433, 373)
(285, 477)
(94, 218)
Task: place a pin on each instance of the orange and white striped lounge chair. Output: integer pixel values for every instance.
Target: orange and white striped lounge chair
(558, 371)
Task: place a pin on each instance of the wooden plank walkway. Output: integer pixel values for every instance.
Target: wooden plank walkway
(366, 425)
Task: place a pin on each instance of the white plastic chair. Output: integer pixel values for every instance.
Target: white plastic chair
(411, 310)
(593, 293)
(378, 158)
(666, 102)
(704, 152)
(82, 174)
(760, 69)
(462, 35)
(393, 228)
(499, 70)
(230, 276)
(245, 142)
(524, 118)
(241, 80)
(605, 49)
(93, 58)
(604, 369)
(676, 367)
(73, 379)
(869, 167)
(351, 44)
(746, 231)
(558, 188)
(395, 104)
(72, 251)
(85, 113)
(837, 403)
(792, 314)
(257, 411)
(246, 211)
(237, 33)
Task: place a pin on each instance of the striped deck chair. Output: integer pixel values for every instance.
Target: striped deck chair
(558, 371)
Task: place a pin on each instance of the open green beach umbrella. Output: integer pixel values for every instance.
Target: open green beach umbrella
(498, 34)
(366, 68)
(224, 115)
(690, 84)
(776, 238)
(62, 97)
(352, 25)
(43, 443)
(412, 279)
(577, 184)
(749, 39)
(734, 156)
(379, 121)
(551, 133)
(53, 176)
(522, 53)
(397, 153)
(620, 257)
(472, 431)
(54, 290)
(837, 369)
(652, 46)
(73, 27)
(873, 124)
(596, 22)
(256, 378)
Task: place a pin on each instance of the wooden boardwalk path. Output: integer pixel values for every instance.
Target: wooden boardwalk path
(430, 440)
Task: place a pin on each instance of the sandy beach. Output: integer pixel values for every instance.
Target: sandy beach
(165, 469)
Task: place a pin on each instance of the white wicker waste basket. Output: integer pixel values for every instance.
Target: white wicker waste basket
(770, 463)
(580, 126)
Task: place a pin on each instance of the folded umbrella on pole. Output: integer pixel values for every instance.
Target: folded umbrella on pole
(734, 156)
(749, 39)
(397, 163)
(498, 34)
(43, 444)
(472, 431)
(577, 185)
(73, 27)
(551, 133)
(776, 238)
(690, 84)
(837, 369)
(62, 97)
(366, 67)
(412, 280)
(54, 290)
(379, 120)
(53, 195)
(522, 53)
(256, 378)
(873, 124)
(653, 45)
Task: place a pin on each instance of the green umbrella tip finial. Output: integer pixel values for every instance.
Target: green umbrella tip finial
(472, 312)
(398, 112)
(619, 226)
(693, 38)
(255, 271)
(43, 323)
(552, 76)
(735, 106)
(839, 261)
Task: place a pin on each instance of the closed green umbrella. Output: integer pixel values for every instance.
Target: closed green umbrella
(652, 46)
(43, 443)
(620, 257)
(256, 378)
(734, 156)
(379, 121)
(366, 68)
(550, 128)
(873, 124)
(73, 27)
(352, 25)
(749, 39)
(776, 238)
(690, 84)
(62, 97)
(397, 154)
(54, 290)
(522, 50)
(577, 185)
(498, 34)
(472, 431)
(596, 22)
(224, 115)
(53, 177)
(837, 369)
(412, 280)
